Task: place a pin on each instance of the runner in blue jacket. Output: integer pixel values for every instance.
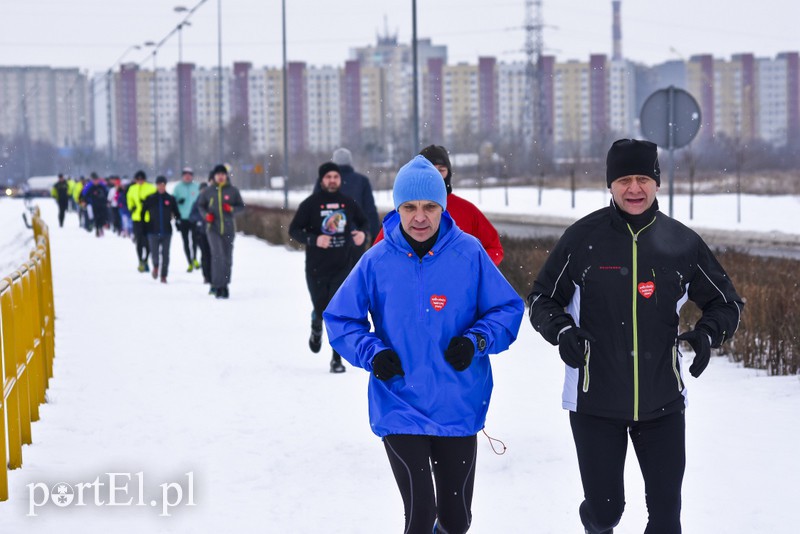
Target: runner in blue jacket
(439, 307)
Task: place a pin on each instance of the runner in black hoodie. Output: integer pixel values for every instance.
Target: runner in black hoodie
(331, 226)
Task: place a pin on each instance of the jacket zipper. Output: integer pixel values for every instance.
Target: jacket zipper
(635, 268)
(219, 207)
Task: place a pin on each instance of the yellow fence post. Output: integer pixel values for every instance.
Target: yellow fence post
(6, 377)
(20, 352)
(27, 339)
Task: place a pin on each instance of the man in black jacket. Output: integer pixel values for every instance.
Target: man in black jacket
(330, 225)
(162, 208)
(357, 186)
(609, 296)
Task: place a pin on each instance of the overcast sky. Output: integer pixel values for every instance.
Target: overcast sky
(92, 34)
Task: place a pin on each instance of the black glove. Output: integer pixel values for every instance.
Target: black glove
(386, 364)
(459, 353)
(181, 200)
(572, 346)
(701, 345)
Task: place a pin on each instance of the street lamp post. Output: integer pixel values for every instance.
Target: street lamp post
(181, 157)
(285, 114)
(155, 105)
(219, 80)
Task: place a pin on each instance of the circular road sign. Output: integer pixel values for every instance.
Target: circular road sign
(670, 118)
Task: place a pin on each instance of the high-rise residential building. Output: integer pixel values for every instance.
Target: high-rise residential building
(149, 118)
(51, 105)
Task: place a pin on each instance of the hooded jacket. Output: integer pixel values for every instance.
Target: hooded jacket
(212, 199)
(417, 306)
(356, 186)
(626, 290)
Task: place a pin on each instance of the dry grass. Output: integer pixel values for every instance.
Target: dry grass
(769, 334)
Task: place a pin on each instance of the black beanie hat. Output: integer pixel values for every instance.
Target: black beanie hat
(327, 167)
(220, 168)
(628, 157)
(140, 174)
(437, 155)
(161, 179)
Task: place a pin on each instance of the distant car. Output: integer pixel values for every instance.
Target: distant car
(11, 191)
(39, 186)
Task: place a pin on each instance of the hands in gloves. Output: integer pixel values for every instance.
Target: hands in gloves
(227, 208)
(701, 345)
(210, 217)
(386, 364)
(572, 346)
(459, 353)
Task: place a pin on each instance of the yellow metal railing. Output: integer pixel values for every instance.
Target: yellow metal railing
(28, 340)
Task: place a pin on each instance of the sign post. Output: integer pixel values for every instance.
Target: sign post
(670, 118)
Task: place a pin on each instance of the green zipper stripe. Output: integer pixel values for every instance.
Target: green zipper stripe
(675, 367)
(635, 277)
(219, 207)
(635, 269)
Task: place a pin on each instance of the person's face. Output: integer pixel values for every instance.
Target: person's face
(442, 170)
(331, 182)
(634, 194)
(187, 177)
(420, 218)
(162, 188)
(220, 178)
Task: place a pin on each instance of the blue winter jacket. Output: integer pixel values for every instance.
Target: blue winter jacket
(417, 306)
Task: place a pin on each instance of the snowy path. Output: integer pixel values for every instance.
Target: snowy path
(165, 380)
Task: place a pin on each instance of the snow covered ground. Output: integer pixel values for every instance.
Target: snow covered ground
(154, 381)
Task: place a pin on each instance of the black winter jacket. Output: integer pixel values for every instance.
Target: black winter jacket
(162, 207)
(626, 290)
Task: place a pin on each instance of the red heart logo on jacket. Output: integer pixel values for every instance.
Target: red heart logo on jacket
(646, 289)
(438, 302)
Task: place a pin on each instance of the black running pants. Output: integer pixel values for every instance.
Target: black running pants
(419, 463)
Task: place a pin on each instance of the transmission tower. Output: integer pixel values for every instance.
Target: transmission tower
(534, 123)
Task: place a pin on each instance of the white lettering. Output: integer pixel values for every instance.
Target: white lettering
(113, 489)
(32, 504)
(165, 502)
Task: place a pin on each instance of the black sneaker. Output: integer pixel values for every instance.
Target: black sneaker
(212, 290)
(337, 367)
(222, 292)
(336, 363)
(315, 340)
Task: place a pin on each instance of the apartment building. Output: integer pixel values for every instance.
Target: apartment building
(51, 105)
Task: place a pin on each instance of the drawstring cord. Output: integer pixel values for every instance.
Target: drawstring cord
(491, 443)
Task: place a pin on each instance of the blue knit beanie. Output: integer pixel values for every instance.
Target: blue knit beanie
(419, 180)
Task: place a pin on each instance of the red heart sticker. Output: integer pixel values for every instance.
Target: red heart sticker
(646, 289)
(438, 302)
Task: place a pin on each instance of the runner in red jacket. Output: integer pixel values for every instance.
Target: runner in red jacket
(466, 214)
